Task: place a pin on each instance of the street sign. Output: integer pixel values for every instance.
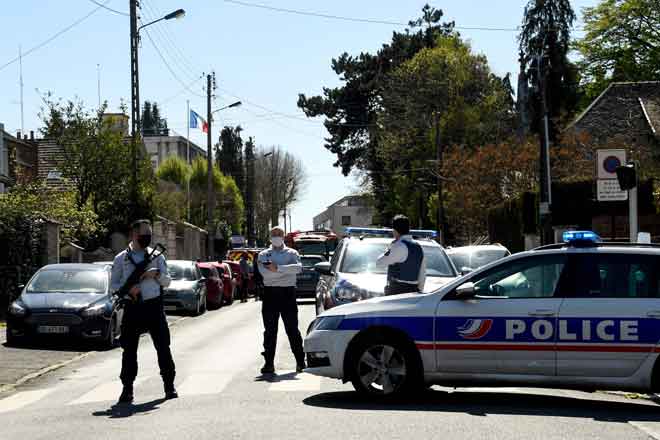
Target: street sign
(610, 191)
(608, 161)
(607, 185)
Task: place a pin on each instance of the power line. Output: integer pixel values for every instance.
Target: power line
(54, 36)
(176, 77)
(358, 20)
(180, 92)
(125, 14)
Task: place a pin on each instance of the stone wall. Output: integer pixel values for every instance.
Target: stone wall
(164, 232)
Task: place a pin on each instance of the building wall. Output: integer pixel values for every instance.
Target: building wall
(349, 211)
(160, 148)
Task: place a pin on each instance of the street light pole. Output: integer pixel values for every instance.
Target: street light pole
(545, 184)
(209, 181)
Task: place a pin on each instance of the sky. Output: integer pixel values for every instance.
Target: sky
(262, 57)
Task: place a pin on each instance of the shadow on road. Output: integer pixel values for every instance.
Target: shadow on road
(55, 344)
(120, 411)
(482, 404)
(273, 378)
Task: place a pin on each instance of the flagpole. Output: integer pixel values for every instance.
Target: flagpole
(188, 156)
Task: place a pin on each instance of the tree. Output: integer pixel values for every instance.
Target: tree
(351, 110)
(622, 43)
(546, 30)
(97, 162)
(152, 123)
(250, 159)
(175, 170)
(229, 155)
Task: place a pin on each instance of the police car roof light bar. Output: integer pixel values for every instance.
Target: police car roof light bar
(580, 237)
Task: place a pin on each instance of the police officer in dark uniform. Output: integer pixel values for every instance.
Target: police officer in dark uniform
(406, 267)
(144, 310)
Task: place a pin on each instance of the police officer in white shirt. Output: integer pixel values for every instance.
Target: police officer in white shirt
(406, 267)
(144, 312)
(279, 266)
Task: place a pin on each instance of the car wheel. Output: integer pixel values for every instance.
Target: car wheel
(385, 367)
(231, 297)
(11, 340)
(203, 306)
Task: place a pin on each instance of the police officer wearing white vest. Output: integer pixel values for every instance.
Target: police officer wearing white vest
(406, 267)
(279, 266)
(144, 312)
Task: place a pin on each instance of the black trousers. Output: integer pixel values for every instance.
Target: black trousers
(281, 301)
(140, 318)
(244, 288)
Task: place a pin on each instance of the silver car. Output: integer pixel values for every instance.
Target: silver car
(469, 258)
(187, 292)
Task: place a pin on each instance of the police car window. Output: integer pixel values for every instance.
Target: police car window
(361, 257)
(533, 277)
(616, 276)
(335, 257)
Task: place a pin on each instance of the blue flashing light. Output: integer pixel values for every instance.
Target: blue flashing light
(580, 236)
(425, 233)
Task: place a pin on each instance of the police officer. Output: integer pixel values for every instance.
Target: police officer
(144, 313)
(406, 268)
(245, 276)
(279, 266)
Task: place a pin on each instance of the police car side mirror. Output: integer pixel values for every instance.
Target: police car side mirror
(466, 290)
(466, 270)
(323, 268)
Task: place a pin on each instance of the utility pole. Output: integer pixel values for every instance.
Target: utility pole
(249, 193)
(438, 158)
(135, 101)
(545, 184)
(209, 181)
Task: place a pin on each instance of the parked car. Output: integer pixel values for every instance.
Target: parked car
(214, 285)
(352, 274)
(469, 258)
(187, 292)
(252, 253)
(309, 277)
(237, 276)
(68, 300)
(228, 281)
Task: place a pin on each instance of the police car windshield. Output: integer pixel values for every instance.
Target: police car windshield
(360, 257)
(69, 281)
(474, 259)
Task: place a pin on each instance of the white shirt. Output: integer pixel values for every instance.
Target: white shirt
(122, 268)
(398, 253)
(288, 266)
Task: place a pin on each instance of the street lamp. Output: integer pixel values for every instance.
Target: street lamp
(135, 86)
(235, 104)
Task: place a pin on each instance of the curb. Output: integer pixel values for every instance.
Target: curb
(50, 368)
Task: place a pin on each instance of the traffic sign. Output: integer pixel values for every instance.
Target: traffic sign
(610, 191)
(608, 161)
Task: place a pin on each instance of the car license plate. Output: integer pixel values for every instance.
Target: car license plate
(170, 308)
(53, 329)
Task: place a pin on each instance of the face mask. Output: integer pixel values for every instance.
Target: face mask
(144, 241)
(277, 241)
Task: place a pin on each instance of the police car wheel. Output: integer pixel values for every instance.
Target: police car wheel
(384, 369)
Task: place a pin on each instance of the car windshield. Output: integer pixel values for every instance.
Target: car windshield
(361, 257)
(311, 248)
(474, 259)
(310, 261)
(68, 281)
(181, 272)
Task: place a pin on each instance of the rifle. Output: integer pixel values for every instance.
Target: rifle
(140, 269)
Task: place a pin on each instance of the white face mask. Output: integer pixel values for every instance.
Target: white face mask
(277, 241)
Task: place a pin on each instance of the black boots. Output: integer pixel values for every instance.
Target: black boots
(126, 396)
(268, 368)
(170, 391)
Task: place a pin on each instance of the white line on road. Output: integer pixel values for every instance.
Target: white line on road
(105, 392)
(646, 430)
(24, 398)
(296, 382)
(204, 383)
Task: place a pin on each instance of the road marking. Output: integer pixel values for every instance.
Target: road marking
(296, 382)
(23, 398)
(105, 392)
(646, 430)
(204, 383)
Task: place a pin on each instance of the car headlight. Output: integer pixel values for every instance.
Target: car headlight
(17, 309)
(350, 292)
(326, 323)
(96, 310)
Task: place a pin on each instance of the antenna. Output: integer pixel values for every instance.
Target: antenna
(98, 82)
(20, 72)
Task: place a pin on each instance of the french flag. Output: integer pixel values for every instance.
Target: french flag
(196, 121)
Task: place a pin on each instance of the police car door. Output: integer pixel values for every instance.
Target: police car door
(508, 324)
(611, 322)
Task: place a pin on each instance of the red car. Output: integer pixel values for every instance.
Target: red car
(237, 275)
(229, 284)
(214, 285)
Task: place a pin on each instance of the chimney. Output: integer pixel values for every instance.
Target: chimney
(32, 135)
(25, 137)
(18, 134)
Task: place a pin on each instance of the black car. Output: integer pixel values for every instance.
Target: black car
(309, 277)
(67, 300)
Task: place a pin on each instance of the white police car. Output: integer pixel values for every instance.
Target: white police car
(352, 274)
(577, 315)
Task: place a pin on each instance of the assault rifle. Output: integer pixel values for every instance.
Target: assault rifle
(140, 269)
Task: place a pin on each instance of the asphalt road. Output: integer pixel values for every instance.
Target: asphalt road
(222, 396)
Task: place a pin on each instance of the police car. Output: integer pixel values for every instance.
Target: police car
(578, 315)
(352, 274)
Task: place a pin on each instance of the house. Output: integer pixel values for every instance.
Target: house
(159, 148)
(348, 211)
(627, 112)
(18, 159)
